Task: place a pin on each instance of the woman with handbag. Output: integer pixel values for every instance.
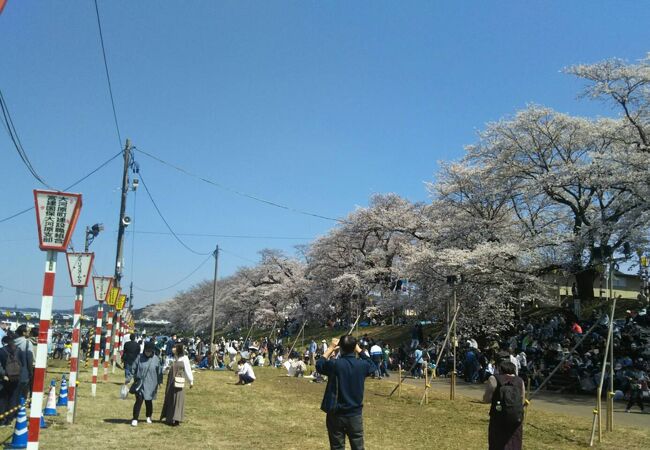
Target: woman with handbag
(147, 372)
(180, 374)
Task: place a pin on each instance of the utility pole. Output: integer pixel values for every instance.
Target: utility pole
(214, 296)
(122, 224)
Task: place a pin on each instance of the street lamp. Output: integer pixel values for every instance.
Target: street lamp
(92, 232)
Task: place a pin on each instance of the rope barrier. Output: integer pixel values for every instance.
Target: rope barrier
(13, 410)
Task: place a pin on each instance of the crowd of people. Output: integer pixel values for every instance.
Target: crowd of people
(17, 357)
(528, 354)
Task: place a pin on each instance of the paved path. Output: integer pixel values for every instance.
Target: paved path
(575, 405)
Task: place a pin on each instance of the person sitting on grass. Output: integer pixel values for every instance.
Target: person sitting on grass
(205, 361)
(245, 372)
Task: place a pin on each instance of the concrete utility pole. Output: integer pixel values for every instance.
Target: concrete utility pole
(214, 296)
(122, 224)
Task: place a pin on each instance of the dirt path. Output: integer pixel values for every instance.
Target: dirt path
(575, 405)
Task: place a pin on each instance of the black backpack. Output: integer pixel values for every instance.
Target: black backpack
(507, 401)
(13, 367)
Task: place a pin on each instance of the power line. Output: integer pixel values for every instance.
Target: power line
(243, 258)
(165, 220)
(237, 192)
(108, 76)
(179, 281)
(13, 135)
(19, 213)
(18, 291)
(233, 236)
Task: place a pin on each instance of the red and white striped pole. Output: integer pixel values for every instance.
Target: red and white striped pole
(107, 349)
(98, 336)
(74, 359)
(36, 409)
(116, 340)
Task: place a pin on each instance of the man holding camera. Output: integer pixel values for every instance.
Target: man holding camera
(343, 399)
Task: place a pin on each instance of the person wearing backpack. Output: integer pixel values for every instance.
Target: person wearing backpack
(26, 347)
(506, 393)
(10, 374)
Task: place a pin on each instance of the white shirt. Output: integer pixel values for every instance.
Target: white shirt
(187, 368)
(246, 369)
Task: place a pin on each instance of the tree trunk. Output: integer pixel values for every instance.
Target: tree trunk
(585, 284)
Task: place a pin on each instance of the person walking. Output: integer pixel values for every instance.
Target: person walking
(505, 392)
(129, 355)
(638, 382)
(377, 354)
(147, 371)
(11, 375)
(24, 344)
(343, 398)
(180, 373)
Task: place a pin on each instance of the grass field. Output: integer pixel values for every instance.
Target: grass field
(277, 412)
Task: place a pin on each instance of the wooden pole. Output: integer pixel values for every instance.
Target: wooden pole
(249, 332)
(425, 396)
(399, 383)
(297, 337)
(354, 325)
(599, 393)
(439, 354)
(527, 402)
(454, 344)
(610, 391)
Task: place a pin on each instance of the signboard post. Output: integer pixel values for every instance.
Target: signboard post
(119, 304)
(56, 217)
(113, 295)
(79, 266)
(102, 286)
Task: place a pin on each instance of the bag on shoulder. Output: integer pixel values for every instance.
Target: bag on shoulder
(507, 401)
(179, 382)
(13, 367)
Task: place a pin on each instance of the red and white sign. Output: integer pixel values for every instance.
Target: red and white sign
(102, 286)
(79, 266)
(56, 217)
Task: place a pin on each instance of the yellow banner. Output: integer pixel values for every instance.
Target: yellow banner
(113, 296)
(121, 300)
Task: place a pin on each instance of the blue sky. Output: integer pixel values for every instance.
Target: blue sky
(315, 105)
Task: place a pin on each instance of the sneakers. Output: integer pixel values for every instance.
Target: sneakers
(149, 420)
(134, 423)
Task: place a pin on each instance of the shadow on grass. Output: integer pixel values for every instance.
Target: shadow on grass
(118, 421)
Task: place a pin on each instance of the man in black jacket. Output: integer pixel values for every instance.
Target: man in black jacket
(343, 399)
(131, 352)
